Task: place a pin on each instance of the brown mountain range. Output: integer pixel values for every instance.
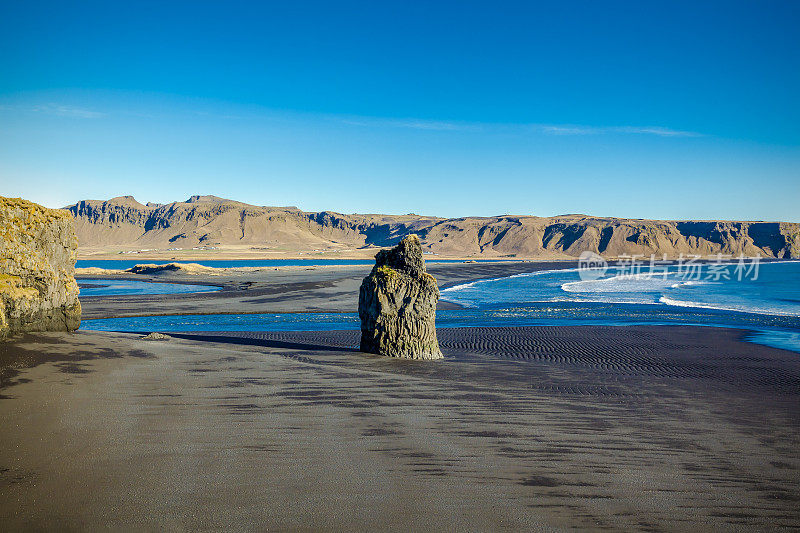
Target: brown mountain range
(216, 222)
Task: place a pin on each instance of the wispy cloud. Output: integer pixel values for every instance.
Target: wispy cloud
(412, 123)
(67, 111)
(634, 130)
(420, 124)
(216, 115)
(550, 129)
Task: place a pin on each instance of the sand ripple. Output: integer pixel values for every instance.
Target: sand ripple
(598, 360)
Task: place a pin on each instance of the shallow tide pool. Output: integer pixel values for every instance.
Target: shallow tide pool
(119, 287)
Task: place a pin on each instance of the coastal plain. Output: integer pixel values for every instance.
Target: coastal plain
(541, 428)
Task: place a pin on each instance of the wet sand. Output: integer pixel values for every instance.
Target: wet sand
(542, 428)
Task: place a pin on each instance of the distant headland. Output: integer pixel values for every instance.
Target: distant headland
(209, 225)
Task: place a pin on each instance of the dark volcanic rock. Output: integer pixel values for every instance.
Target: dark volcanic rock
(405, 257)
(397, 305)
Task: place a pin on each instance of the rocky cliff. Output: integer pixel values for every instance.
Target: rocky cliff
(37, 261)
(208, 220)
(397, 305)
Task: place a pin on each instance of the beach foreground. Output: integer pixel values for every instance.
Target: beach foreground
(590, 427)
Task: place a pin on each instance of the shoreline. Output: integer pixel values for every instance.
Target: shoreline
(333, 289)
(289, 289)
(770, 336)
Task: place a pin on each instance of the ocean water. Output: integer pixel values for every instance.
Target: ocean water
(112, 287)
(248, 322)
(546, 314)
(773, 290)
(764, 298)
(124, 264)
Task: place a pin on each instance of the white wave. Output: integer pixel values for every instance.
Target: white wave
(540, 272)
(686, 284)
(457, 288)
(562, 299)
(632, 300)
(741, 309)
(645, 282)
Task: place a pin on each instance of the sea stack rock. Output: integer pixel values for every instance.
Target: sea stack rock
(397, 305)
(38, 247)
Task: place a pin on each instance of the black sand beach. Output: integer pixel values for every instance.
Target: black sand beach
(578, 427)
(646, 428)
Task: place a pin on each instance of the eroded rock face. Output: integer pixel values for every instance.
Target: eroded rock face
(208, 220)
(397, 305)
(38, 291)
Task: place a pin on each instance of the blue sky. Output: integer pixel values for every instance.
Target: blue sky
(636, 109)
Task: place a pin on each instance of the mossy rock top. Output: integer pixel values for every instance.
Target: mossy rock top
(34, 211)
